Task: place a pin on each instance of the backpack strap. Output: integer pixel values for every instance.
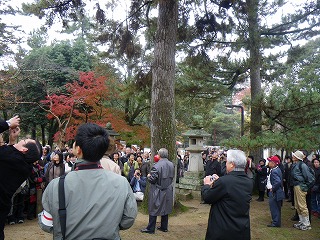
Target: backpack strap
(62, 207)
(300, 166)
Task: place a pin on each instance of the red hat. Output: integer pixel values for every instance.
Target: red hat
(274, 159)
(156, 158)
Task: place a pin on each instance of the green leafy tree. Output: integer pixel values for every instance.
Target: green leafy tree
(233, 27)
(8, 33)
(210, 34)
(44, 71)
(290, 108)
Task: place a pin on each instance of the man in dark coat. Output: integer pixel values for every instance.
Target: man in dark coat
(160, 193)
(261, 179)
(212, 165)
(144, 166)
(15, 167)
(230, 196)
(276, 193)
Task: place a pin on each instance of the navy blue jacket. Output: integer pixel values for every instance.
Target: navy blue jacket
(142, 182)
(276, 182)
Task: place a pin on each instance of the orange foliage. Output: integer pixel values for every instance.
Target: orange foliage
(142, 134)
(60, 105)
(87, 96)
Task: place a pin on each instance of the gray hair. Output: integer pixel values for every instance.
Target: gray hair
(163, 153)
(239, 159)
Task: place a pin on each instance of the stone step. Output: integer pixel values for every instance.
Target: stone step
(194, 174)
(196, 195)
(184, 196)
(193, 181)
(189, 186)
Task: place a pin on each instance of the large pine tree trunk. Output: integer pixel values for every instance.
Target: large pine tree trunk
(163, 129)
(255, 80)
(163, 80)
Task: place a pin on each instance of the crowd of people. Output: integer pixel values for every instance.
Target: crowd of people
(117, 195)
(89, 202)
(296, 179)
(41, 172)
(56, 177)
(133, 165)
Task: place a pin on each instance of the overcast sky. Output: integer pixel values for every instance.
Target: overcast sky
(28, 23)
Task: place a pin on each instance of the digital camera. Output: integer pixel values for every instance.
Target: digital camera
(213, 178)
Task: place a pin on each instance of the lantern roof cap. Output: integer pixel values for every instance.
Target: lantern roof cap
(196, 132)
(110, 130)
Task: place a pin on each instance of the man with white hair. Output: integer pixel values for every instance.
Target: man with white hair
(161, 193)
(230, 197)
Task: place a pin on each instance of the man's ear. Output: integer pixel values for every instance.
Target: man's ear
(78, 152)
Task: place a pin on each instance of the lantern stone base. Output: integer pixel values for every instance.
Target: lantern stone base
(190, 185)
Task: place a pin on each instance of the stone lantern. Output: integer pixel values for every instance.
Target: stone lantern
(192, 181)
(196, 140)
(110, 131)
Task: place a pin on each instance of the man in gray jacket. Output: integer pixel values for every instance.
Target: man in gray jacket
(300, 176)
(161, 193)
(98, 203)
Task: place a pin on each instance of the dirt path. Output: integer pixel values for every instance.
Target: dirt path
(188, 226)
(191, 225)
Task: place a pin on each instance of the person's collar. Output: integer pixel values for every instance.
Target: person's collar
(237, 172)
(237, 169)
(83, 161)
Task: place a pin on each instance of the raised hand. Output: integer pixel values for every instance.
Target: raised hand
(14, 122)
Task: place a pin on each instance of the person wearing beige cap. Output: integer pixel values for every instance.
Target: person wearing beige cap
(299, 174)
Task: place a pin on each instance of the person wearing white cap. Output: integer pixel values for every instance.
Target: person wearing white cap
(299, 174)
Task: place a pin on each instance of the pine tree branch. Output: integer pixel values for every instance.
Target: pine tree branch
(288, 24)
(288, 32)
